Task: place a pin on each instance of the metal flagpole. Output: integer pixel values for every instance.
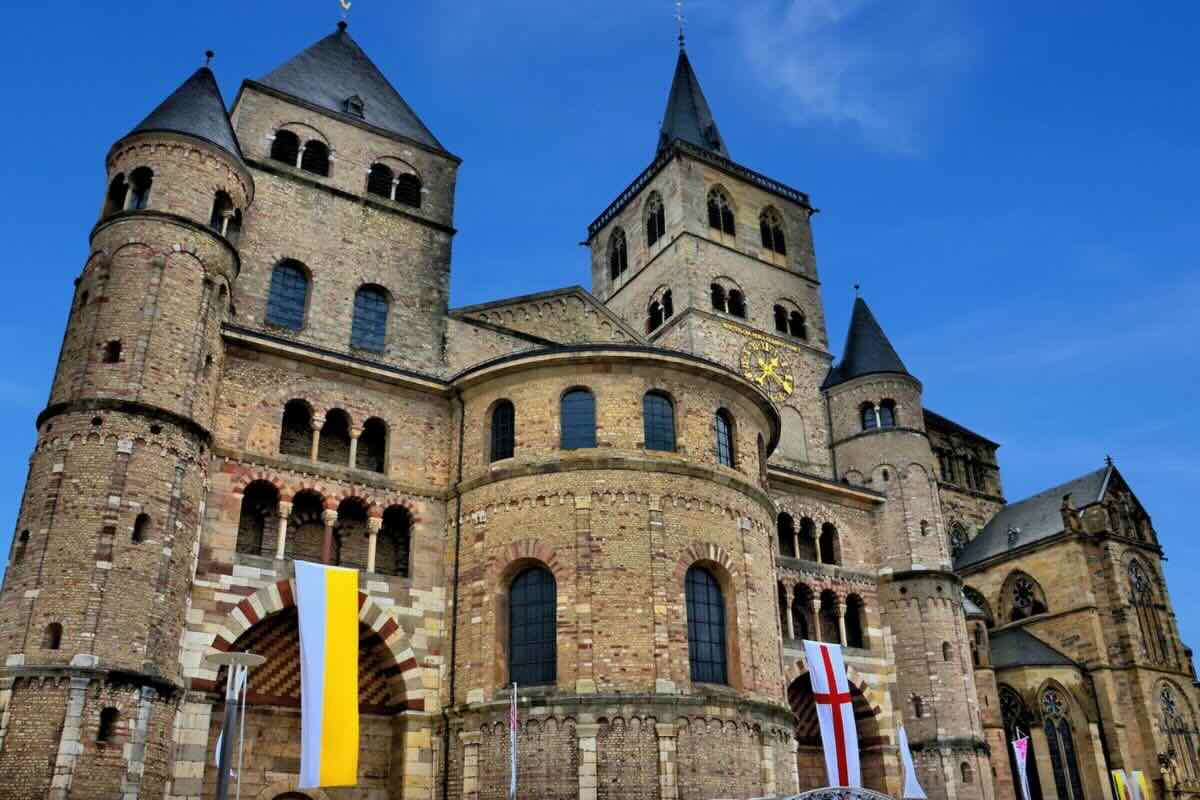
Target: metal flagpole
(234, 663)
(244, 687)
(512, 744)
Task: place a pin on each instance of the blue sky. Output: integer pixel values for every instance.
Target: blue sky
(1013, 184)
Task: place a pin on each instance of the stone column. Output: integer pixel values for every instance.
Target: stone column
(285, 511)
(374, 525)
(317, 423)
(667, 785)
(416, 779)
(587, 733)
(69, 745)
(135, 751)
(330, 519)
(768, 764)
(789, 601)
(300, 156)
(815, 610)
(470, 769)
(392, 191)
(841, 614)
(816, 537)
(354, 434)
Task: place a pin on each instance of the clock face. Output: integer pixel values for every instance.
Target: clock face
(769, 367)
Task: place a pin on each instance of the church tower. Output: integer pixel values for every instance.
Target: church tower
(712, 258)
(93, 607)
(880, 443)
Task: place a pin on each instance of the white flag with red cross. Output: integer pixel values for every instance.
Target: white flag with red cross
(835, 712)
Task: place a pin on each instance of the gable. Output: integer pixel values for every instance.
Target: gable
(563, 317)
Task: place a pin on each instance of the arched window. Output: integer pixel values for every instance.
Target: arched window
(368, 330)
(140, 180)
(869, 420)
(723, 423)
(532, 628)
(222, 210)
(578, 419)
(408, 190)
(618, 254)
(351, 538)
(796, 325)
(1180, 729)
(830, 546)
(306, 527)
(1141, 594)
(705, 626)
(946, 651)
(257, 520)
(966, 773)
(334, 447)
(737, 304)
(830, 629)
(785, 531)
(802, 602)
(288, 298)
(654, 317)
(394, 544)
(379, 181)
(976, 597)
(1061, 744)
(770, 225)
(372, 446)
(856, 622)
(233, 227)
(918, 705)
(141, 529)
(52, 637)
(504, 430)
(958, 538)
(118, 190)
(107, 729)
(285, 148)
(658, 421)
(720, 212)
(295, 435)
(656, 219)
(806, 547)
(112, 352)
(718, 297)
(315, 158)
(1017, 723)
(668, 305)
(1024, 596)
(22, 546)
(887, 414)
(781, 315)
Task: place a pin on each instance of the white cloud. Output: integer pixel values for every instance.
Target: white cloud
(874, 66)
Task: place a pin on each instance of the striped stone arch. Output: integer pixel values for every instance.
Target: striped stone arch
(798, 669)
(701, 552)
(281, 595)
(283, 787)
(521, 551)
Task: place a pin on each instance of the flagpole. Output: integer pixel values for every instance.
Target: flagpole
(234, 663)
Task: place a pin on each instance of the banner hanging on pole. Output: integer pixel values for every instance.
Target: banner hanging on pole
(831, 692)
(1020, 748)
(912, 787)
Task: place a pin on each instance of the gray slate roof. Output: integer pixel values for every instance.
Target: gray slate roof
(1036, 518)
(335, 69)
(1016, 647)
(867, 350)
(970, 609)
(195, 109)
(936, 420)
(688, 116)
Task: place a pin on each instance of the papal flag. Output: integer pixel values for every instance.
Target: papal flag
(1020, 748)
(1121, 783)
(327, 605)
(1138, 779)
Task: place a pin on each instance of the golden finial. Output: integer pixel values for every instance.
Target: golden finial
(345, 4)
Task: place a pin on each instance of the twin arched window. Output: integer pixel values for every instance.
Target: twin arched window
(1061, 744)
(732, 302)
(658, 418)
(532, 628)
(312, 157)
(618, 254)
(720, 212)
(504, 420)
(770, 226)
(705, 627)
(659, 312)
(578, 420)
(881, 416)
(288, 297)
(226, 220)
(723, 426)
(131, 195)
(790, 322)
(403, 188)
(368, 331)
(656, 219)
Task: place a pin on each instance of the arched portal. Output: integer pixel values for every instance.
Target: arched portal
(809, 754)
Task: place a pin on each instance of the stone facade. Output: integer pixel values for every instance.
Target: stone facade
(202, 434)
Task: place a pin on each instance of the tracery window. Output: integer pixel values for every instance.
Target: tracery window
(720, 212)
(958, 538)
(1141, 593)
(1061, 744)
(1180, 730)
(368, 329)
(656, 220)
(1025, 597)
(706, 626)
(532, 628)
(1017, 722)
(618, 254)
(771, 228)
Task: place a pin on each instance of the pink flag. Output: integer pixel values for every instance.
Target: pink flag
(831, 692)
(1021, 752)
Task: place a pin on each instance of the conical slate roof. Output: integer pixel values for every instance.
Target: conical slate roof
(867, 351)
(688, 116)
(336, 69)
(195, 109)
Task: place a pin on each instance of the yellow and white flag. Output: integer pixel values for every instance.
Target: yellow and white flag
(1121, 783)
(1138, 778)
(327, 605)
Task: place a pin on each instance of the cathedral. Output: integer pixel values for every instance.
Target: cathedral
(633, 502)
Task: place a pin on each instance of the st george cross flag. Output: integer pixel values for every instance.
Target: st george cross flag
(512, 745)
(831, 693)
(327, 605)
(1021, 753)
(912, 788)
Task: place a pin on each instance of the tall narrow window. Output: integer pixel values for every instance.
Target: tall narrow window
(781, 319)
(1061, 744)
(737, 304)
(368, 331)
(654, 317)
(720, 213)
(107, 728)
(288, 297)
(504, 417)
(658, 421)
(22, 546)
(334, 447)
(114, 201)
(222, 210)
(315, 158)
(796, 325)
(718, 297)
(52, 638)
(705, 626)
(141, 528)
(532, 628)
(1141, 594)
(869, 421)
(887, 414)
(723, 424)
(831, 550)
(1180, 728)
(618, 254)
(379, 181)
(771, 227)
(372, 446)
(395, 543)
(785, 530)
(295, 434)
(578, 419)
(656, 220)
(856, 622)
(668, 305)
(1017, 722)
(285, 148)
(408, 190)
(260, 508)
(141, 179)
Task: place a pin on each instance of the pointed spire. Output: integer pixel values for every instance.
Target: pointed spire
(334, 70)
(195, 109)
(688, 116)
(867, 351)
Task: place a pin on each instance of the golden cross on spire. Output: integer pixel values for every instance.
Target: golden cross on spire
(345, 4)
(681, 19)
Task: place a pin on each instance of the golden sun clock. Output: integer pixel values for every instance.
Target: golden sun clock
(769, 367)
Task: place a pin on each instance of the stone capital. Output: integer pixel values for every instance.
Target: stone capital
(587, 731)
(374, 524)
(329, 516)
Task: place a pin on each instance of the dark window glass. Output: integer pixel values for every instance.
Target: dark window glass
(285, 148)
(869, 422)
(369, 328)
(658, 417)
(141, 528)
(654, 318)
(770, 226)
(315, 158)
(718, 297)
(141, 180)
(503, 430)
(887, 414)
(108, 724)
(781, 319)
(618, 255)
(52, 638)
(117, 190)
(288, 296)
(796, 326)
(408, 190)
(379, 181)
(372, 446)
(668, 305)
(656, 220)
(706, 626)
(532, 628)
(737, 305)
(578, 419)
(222, 208)
(724, 426)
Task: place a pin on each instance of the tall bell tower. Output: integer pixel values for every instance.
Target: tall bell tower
(94, 604)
